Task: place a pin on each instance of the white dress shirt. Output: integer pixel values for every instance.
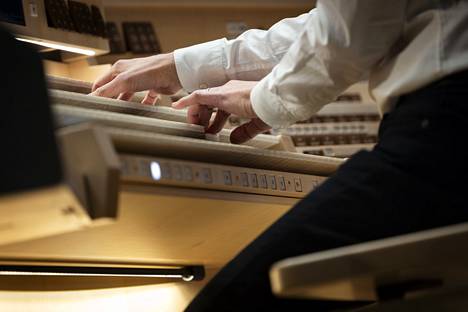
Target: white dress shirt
(305, 62)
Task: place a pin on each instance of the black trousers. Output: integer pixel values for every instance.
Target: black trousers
(414, 179)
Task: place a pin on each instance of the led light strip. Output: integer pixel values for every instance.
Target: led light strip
(22, 273)
(59, 46)
(185, 273)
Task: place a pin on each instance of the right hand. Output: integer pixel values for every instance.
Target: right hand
(230, 98)
(157, 74)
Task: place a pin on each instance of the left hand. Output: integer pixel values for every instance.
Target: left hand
(231, 98)
(156, 73)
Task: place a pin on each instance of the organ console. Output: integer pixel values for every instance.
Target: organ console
(155, 193)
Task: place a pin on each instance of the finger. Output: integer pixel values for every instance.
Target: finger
(104, 79)
(205, 116)
(184, 102)
(112, 89)
(208, 97)
(126, 96)
(150, 98)
(218, 123)
(248, 131)
(193, 114)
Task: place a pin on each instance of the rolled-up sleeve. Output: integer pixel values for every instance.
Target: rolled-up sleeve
(341, 42)
(251, 56)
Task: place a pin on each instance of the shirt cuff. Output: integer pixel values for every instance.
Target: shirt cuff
(201, 66)
(269, 107)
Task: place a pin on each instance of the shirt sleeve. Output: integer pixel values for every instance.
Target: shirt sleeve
(339, 45)
(251, 56)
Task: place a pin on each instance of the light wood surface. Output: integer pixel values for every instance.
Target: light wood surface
(81, 70)
(39, 213)
(158, 229)
(200, 23)
(151, 229)
(229, 4)
(415, 263)
(92, 168)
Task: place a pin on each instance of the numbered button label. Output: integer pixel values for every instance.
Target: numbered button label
(263, 181)
(166, 171)
(253, 180)
(188, 175)
(227, 177)
(298, 185)
(282, 183)
(272, 180)
(244, 179)
(206, 175)
(177, 171)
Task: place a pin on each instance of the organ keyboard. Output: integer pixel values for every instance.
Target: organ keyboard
(71, 102)
(137, 134)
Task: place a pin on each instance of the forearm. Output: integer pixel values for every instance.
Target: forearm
(338, 47)
(251, 56)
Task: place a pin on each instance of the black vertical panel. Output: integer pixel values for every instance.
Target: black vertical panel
(28, 151)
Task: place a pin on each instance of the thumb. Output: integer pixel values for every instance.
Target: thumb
(248, 131)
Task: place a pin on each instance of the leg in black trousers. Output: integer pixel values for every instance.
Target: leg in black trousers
(412, 180)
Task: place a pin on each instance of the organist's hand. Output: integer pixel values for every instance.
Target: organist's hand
(155, 73)
(231, 98)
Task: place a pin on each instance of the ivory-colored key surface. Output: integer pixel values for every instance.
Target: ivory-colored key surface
(74, 93)
(70, 115)
(68, 84)
(118, 113)
(85, 87)
(117, 106)
(161, 145)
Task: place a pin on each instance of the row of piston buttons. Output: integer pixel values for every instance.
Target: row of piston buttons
(185, 173)
(261, 181)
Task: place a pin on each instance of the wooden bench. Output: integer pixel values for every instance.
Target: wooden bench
(423, 271)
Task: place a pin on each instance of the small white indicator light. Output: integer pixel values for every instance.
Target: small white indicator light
(155, 170)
